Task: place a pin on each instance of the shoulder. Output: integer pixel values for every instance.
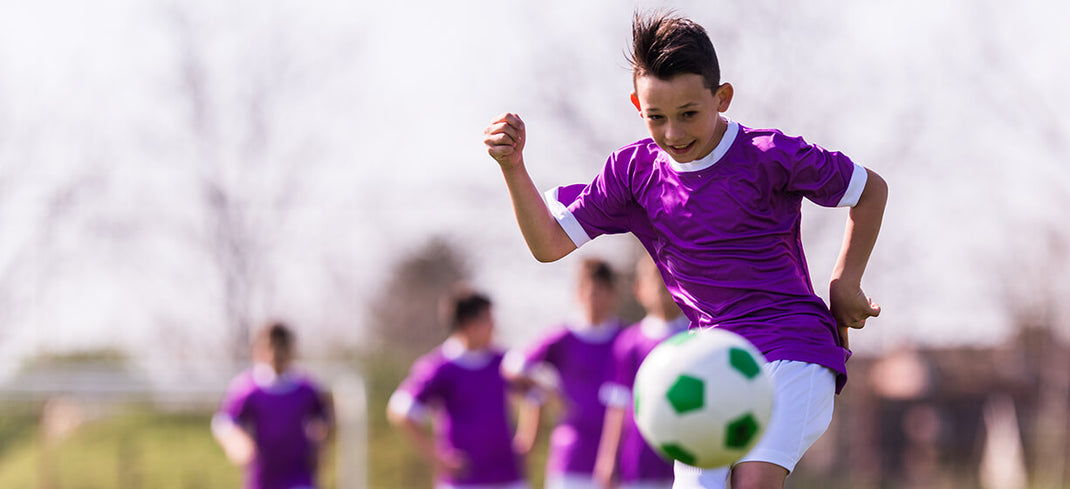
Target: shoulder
(555, 335)
(429, 363)
(772, 143)
(242, 384)
(638, 154)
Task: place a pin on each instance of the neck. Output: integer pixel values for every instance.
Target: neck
(467, 342)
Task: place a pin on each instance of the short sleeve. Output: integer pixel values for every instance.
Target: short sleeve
(523, 360)
(827, 178)
(321, 409)
(235, 400)
(604, 206)
(422, 387)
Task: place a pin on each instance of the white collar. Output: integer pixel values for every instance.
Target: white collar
(658, 328)
(595, 333)
(265, 377)
(711, 159)
(455, 352)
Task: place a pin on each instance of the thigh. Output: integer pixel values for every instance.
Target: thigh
(802, 410)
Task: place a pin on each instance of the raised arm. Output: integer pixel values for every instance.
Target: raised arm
(850, 306)
(546, 239)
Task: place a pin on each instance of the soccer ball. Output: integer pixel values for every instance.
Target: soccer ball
(703, 398)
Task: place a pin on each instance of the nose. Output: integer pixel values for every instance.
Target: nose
(674, 132)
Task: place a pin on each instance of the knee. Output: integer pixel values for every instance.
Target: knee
(758, 475)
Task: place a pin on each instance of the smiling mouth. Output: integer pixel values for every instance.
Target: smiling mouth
(681, 149)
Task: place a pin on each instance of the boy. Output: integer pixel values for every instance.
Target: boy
(623, 455)
(460, 384)
(579, 352)
(273, 420)
(718, 207)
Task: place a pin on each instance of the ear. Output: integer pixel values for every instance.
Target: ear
(724, 96)
(635, 102)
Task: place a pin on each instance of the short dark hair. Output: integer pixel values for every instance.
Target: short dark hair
(665, 45)
(462, 305)
(598, 271)
(277, 334)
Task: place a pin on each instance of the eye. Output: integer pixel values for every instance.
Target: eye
(689, 114)
(655, 117)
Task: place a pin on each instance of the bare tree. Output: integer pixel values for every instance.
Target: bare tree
(250, 173)
(405, 313)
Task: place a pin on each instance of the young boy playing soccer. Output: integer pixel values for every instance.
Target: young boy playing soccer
(624, 459)
(718, 206)
(579, 352)
(461, 385)
(273, 419)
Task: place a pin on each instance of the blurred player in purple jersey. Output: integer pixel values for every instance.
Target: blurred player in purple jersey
(717, 205)
(579, 353)
(459, 385)
(624, 459)
(273, 419)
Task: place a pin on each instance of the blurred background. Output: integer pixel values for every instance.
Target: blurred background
(173, 173)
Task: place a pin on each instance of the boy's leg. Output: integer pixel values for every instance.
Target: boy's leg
(804, 394)
(758, 475)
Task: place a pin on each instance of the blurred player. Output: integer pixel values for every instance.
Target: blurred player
(460, 385)
(579, 352)
(273, 420)
(624, 459)
(718, 205)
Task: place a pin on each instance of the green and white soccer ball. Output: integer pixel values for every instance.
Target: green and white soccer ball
(703, 398)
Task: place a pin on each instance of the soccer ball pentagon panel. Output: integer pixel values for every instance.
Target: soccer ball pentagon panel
(703, 398)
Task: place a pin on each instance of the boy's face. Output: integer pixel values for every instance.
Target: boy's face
(682, 114)
(278, 357)
(596, 298)
(480, 330)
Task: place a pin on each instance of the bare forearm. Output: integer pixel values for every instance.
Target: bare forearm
(860, 235)
(542, 233)
(606, 461)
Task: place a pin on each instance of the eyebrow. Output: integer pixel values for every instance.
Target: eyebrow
(685, 106)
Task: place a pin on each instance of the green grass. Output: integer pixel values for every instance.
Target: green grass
(128, 450)
(139, 448)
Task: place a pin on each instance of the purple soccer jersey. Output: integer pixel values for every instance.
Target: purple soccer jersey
(467, 397)
(637, 462)
(581, 357)
(725, 232)
(276, 412)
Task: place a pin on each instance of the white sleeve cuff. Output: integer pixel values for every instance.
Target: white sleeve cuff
(565, 218)
(402, 403)
(514, 364)
(854, 189)
(222, 424)
(615, 395)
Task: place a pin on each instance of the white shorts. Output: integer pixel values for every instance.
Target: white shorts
(570, 481)
(804, 394)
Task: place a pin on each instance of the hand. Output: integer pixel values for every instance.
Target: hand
(505, 140)
(850, 307)
(604, 474)
(452, 463)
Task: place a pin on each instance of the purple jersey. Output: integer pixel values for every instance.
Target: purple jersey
(276, 411)
(581, 358)
(467, 397)
(725, 232)
(637, 461)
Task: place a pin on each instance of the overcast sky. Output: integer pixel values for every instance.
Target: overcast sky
(380, 107)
